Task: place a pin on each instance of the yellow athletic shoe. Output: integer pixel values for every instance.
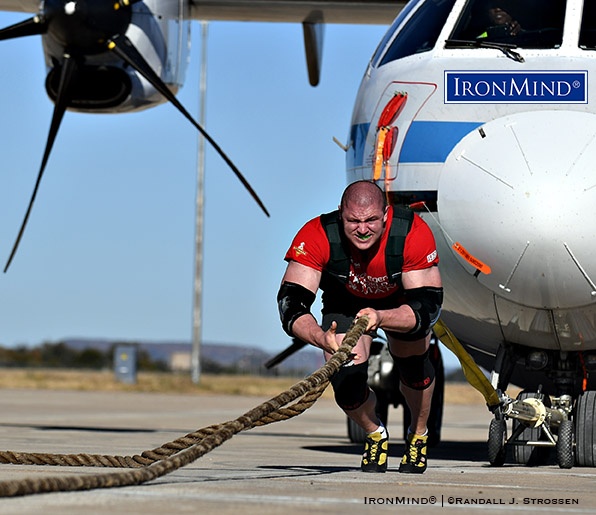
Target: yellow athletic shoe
(414, 459)
(374, 458)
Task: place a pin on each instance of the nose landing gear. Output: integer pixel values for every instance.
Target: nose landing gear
(539, 424)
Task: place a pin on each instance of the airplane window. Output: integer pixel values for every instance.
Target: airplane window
(403, 14)
(525, 23)
(587, 36)
(421, 32)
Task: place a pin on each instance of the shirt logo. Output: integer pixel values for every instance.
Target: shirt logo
(299, 250)
(366, 285)
(527, 87)
(431, 257)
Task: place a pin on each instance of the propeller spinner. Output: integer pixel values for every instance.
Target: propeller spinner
(84, 28)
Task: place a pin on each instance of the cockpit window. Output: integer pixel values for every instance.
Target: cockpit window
(421, 32)
(403, 14)
(587, 36)
(524, 23)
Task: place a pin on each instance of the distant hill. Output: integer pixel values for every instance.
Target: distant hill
(244, 358)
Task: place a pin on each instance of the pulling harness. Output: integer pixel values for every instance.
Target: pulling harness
(339, 261)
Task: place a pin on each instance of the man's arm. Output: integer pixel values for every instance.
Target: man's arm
(403, 319)
(305, 327)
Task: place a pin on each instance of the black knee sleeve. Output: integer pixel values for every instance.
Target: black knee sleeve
(416, 372)
(350, 385)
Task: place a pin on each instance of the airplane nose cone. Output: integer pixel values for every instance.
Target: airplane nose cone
(519, 194)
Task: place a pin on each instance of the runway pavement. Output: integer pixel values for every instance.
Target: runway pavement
(302, 465)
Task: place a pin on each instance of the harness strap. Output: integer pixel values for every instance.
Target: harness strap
(339, 260)
(394, 252)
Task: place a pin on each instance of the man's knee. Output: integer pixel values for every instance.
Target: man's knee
(416, 372)
(350, 385)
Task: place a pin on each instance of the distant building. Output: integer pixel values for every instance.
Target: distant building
(180, 361)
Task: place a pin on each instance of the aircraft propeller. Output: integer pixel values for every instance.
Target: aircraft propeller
(88, 28)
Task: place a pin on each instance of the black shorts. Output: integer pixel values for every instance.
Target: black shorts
(341, 306)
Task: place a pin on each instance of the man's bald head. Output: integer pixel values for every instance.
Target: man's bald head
(363, 212)
(363, 193)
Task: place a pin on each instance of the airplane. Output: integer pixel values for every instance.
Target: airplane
(476, 113)
(480, 115)
(489, 137)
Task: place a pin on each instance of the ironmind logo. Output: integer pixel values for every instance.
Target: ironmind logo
(560, 87)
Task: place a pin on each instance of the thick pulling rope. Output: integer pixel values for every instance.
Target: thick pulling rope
(178, 453)
(151, 456)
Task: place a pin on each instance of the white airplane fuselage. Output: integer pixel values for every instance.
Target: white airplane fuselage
(503, 155)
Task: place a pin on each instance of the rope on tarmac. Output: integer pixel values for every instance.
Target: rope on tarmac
(171, 456)
(150, 456)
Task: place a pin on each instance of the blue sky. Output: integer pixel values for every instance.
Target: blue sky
(109, 248)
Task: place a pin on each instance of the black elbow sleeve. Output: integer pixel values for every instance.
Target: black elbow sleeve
(426, 303)
(293, 301)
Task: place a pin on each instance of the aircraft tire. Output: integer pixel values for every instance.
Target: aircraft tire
(528, 454)
(585, 429)
(497, 435)
(565, 447)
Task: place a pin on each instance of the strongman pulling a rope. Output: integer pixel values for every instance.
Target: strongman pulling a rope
(379, 261)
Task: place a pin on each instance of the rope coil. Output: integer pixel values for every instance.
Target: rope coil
(173, 455)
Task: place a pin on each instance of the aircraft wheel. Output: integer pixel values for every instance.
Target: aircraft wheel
(497, 436)
(529, 454)
(585, 437)
(565, 457)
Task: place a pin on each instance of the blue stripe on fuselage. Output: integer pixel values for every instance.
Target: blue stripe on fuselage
(425, 142)
(431, 142)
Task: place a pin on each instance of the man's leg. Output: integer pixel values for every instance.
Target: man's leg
(365, 416)
(418, 402)
(352, 393)
(417, 386)
(376, 443)
(358, 401)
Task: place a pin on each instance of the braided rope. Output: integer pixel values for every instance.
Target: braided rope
(182, 451)
(159, 453)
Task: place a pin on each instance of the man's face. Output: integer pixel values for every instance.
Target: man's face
(498, 16)
(363, 225)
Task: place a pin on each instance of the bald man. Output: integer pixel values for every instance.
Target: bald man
(369, 258)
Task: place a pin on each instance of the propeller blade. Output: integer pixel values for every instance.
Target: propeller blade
(31, 27)
(124, 49)
(68, 69)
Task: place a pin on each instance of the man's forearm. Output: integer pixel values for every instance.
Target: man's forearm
(400, 320)
(308, 330)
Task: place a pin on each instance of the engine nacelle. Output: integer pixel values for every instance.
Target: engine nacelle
(105, 84)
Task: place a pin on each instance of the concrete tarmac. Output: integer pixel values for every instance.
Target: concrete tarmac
(302, 465)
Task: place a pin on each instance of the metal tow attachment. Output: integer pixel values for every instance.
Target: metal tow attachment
(533, 412)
